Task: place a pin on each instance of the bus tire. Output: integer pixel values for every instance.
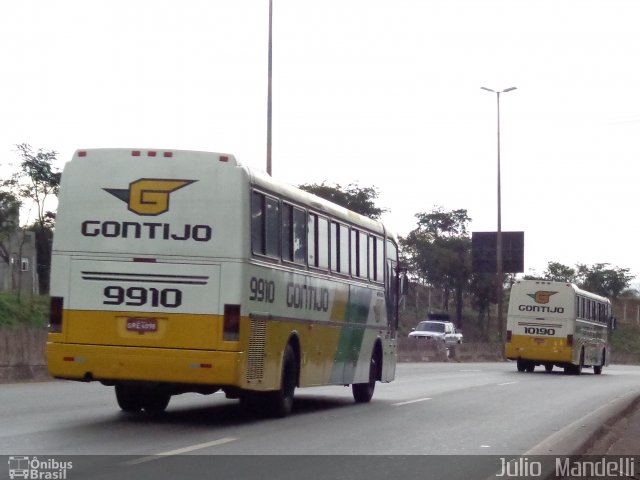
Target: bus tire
(128, 398)
(597, 369)
(521, 365)
(576, 369)
(280, 402)
(156, 401)
(363, 392)
(548, 367)
(531, 367)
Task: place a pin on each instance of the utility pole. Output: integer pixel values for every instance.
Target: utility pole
(269, 75)
(499, 272)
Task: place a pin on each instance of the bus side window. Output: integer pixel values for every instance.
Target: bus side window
(363, 256)
(294, 238)
(257, 223)
(318, 241)
(265, 225)
(272, 228)
(379, 261)
(339, 245)
(354, 252)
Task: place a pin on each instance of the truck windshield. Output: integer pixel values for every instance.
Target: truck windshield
(430, 327)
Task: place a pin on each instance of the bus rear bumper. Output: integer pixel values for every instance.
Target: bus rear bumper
(114, 363)
(550, 350)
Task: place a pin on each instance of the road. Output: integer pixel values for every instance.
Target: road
(431, 409)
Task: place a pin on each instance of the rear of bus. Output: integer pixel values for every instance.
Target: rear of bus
(540, 324)
(144, 240)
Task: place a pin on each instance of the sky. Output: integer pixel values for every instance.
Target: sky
(384, 94)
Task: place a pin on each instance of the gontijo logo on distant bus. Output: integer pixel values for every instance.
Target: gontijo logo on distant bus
(542, 297)
(147, 197)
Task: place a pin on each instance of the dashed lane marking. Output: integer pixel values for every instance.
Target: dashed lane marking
(180, 451)
(411, 401)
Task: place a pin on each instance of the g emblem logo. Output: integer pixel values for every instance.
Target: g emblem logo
(149, 196)
(541, 296)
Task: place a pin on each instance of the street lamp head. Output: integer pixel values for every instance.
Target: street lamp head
(499, 91)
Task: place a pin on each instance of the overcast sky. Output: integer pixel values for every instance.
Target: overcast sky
(382, 93)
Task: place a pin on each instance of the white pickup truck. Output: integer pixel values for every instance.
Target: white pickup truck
(437, 330)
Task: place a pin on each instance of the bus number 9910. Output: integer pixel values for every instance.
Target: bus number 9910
(262, 290)
(138, 296)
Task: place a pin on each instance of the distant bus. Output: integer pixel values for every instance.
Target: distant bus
(180, 271)
(557, 324)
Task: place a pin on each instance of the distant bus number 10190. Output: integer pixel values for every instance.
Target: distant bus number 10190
(539, 331)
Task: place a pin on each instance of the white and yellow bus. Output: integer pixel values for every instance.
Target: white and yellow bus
(557, 324)
(181, 271)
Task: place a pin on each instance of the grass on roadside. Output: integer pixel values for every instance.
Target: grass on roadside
(626, 339)
(24, 311)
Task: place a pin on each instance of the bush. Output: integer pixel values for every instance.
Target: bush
(23, 311)
(626, 339)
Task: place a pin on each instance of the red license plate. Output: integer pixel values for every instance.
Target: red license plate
(142, 324)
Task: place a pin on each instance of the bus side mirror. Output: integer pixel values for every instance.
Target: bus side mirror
(613, 323)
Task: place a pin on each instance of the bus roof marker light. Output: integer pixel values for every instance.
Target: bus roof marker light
(82, 153)
(151, 153)
(144, 260)
(167, 154)
(135, 153)
(224, 158)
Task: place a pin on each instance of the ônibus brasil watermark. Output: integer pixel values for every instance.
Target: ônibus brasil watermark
(35, 468)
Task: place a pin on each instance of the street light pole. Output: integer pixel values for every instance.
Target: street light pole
(499, 266)
(269, 75)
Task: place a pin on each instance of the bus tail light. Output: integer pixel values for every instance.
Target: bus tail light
(570, 340)
(231, 323)
(509, 334)
(56, 305)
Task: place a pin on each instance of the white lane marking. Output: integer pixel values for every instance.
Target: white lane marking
(506, 383)
(411, 401)
(180, 451)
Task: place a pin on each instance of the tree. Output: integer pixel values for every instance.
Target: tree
(9, 226)
(358, 199)
(484, 293)
(9, 218)
(599, 278)
(37, 180)
(608, 282)
(559, 273)
(439, 252)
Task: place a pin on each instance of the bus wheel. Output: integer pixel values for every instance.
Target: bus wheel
(548, 367)
(576, 369)
(156, 401)
(129, 398)
(531, 367)
(522, 365)
(281, 401)
(597, 369)
(363, 392)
